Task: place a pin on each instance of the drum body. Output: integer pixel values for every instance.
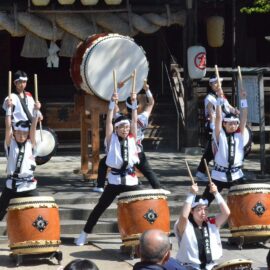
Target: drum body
(47, 144)
(95, 59)
(33, 225)
(142, 210)
(236, 264)
(250, 210)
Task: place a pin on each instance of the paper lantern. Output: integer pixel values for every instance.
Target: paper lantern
(113, 2)
(89, 2)
(40, 2)
(66, 2)
(215, 31)
(196, 62)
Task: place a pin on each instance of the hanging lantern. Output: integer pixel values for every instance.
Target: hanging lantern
(89, 2)
(40, 2)
(66, 2)
(113, 2)
(215, 31)
(196, 62)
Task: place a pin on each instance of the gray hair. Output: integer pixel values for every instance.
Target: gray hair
(154, 244)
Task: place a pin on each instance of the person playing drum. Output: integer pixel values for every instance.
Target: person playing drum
(210, 103)
(121, 158)
(23, 102)
(198, 236)
(228, 146)
(142, 124)
(19, 146)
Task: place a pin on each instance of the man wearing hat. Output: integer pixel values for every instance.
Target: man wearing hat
(210, 103)
(228, 137)
(23, 102)
(198, 236)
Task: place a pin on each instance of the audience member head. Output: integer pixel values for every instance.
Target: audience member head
(80, 264)
(154, 247)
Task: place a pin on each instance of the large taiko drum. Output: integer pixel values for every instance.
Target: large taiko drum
(142, 210)
(235, 264)
(95, 59)
(33, 225)
(250, 210)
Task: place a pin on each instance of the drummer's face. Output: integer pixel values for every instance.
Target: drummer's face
(214, 86)
(231, 127)
(21, 136)
(200, 213)
(123, 130)
(20, 85)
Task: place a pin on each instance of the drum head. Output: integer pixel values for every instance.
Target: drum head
(46, 141)
(113, 52)
(235, 264)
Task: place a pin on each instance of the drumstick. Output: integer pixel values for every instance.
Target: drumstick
(36, 99)
(36, 87)
(133, 81)
(217, 75)
(240, 77)
(115, 84)
(207, 170)
(189, 172)
(9, 84)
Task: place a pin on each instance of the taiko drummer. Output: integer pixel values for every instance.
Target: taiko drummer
(19, 146)
(121, 157)
(22, 101)
(228, 146)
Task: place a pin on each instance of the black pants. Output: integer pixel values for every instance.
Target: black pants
(220, 185)
(106, 199)
(9, 194)
(143, 166)
(207, 155)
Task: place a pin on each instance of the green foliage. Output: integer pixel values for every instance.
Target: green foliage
(259, 6)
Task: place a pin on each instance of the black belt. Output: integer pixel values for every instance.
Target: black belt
(220, 168)
(122, 172)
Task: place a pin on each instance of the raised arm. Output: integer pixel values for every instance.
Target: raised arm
(244, 110)
(183, 218)
(8, 123)
(225, 211)
(133, 127)
(109, 125)
(218, 120)
(37, 116)
(151, 102)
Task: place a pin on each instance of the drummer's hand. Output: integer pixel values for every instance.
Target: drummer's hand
(145, 85)
(37, 105)
(120, 84)
(115, 97)
(194, 189)
(220, 93)
(236, 111)
(9, 102)
(213, 188)
(243, 94)
(133, 97)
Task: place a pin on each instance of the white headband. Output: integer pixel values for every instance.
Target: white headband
(124, 121)
(20, 128)
(231, 119)
(21, 79)
(201, 201)
(130, 105)
(215, 80)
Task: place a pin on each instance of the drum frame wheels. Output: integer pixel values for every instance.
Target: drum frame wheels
(18, 258)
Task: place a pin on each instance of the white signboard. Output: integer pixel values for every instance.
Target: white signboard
(251, 86)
